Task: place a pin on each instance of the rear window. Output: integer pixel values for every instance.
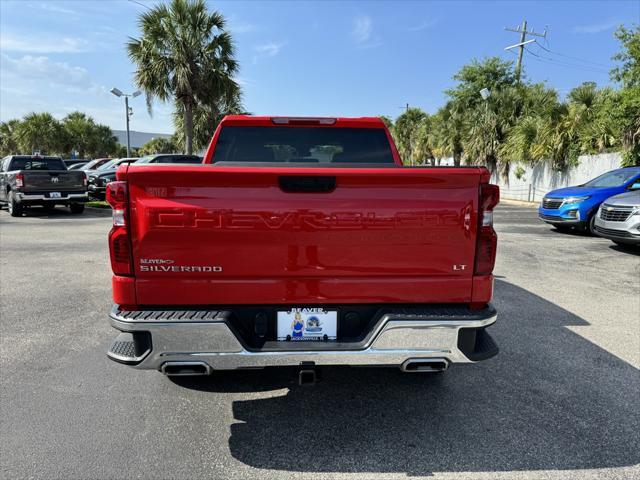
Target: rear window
(303, 145)
(29, 163)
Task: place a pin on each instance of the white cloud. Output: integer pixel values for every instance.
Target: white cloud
(597, 27)
(362, 28)
(270, 49)
(37, 43)
(51, 7)
(30, 68)
(242, 27)
(423, 25)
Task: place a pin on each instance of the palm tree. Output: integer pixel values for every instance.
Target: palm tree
(206, 117)
(8, 137)
(405, 134)
(185, 55)
(158, 145)
(40, 132)
(80, 129)
(447, 130)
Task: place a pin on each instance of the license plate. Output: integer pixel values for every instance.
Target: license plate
(55, 195)
(307, 324)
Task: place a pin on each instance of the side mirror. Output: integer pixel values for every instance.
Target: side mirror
(634, 186)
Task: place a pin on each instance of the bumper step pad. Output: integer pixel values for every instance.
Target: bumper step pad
(172, 315)
(130, 348)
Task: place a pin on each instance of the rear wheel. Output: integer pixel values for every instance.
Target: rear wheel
(15, 208)
(76, 207)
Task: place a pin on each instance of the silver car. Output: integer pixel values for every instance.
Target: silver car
(618, 218)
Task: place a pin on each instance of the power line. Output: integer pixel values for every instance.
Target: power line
(569, 56)
(553, 61)
(565, 63)
(141, 4)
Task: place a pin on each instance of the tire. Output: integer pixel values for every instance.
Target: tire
(591, 226)
(76, 208)
(15, 208)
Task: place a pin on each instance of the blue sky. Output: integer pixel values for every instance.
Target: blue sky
(301, 58)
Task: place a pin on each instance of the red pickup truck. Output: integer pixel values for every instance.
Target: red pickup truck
(301, 242)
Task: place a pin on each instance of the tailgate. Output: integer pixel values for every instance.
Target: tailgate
(53, 180)
(258, 235)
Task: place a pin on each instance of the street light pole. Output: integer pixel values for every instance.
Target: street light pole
(127, 111)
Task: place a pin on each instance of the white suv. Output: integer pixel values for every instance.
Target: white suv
(618, 218)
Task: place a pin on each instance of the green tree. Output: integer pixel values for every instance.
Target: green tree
(184, 55)
(405, 134)
(80, 130)
(206, 117)
(8, 137)
(629, 72)
(625, 110)
(447, 127)
(158, 145)
(487, 121)
(102, 142)
(86, 137)
(387, 121)
(491, 73)
(40, 132)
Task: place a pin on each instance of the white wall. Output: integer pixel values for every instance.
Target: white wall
(541, 178)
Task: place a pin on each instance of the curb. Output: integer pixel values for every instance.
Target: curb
(519, 202)
(105, 212)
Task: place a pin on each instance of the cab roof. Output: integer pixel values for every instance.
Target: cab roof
(271, 121)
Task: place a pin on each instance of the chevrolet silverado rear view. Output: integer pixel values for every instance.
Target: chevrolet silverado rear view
(301, 242)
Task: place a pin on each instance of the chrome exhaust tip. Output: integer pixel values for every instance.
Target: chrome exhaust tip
(185, 369)
(427, 365)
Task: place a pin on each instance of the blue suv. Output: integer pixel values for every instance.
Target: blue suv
(577, 206)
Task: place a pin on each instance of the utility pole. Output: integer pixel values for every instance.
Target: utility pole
(522, 30)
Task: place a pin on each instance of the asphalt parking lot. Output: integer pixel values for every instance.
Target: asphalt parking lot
(561, 400)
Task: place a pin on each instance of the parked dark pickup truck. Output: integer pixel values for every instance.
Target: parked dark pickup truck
(27, 180)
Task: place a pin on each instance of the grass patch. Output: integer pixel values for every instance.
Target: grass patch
(98, 204)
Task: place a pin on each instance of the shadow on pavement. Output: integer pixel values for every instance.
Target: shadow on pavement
(630, 249)
(551, 400)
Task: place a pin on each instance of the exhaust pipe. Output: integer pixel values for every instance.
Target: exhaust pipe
(184, 369)
(425, 365)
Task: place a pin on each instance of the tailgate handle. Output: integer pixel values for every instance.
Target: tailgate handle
(309, 184)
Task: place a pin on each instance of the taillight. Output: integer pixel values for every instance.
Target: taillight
(19, 180)
(487, 238)
(119, 241)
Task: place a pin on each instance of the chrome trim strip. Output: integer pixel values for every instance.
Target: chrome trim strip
(71, 196)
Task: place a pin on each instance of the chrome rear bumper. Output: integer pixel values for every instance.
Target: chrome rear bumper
(395, 339)
(71, 197)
